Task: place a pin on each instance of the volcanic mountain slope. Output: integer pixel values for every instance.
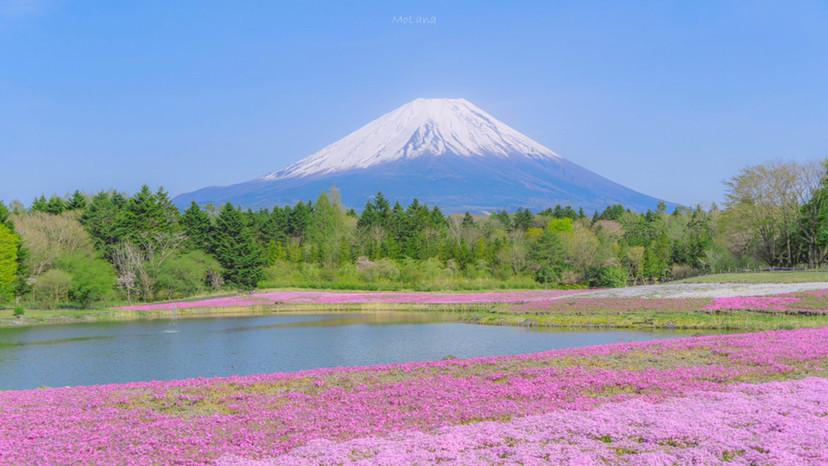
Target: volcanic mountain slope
(444, 152)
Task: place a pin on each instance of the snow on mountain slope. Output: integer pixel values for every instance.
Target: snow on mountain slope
(444, 152)
(424, 127)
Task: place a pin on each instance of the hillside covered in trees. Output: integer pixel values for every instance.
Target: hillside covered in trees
(112, 247)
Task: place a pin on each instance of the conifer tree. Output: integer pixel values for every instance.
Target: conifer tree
(39, 204)
(55, 206)
(197, 227)
(100, 219)
(234, 248)
(77, 202)
(546, 256)
(468, 221)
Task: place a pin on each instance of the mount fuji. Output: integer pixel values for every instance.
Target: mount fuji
(443, 152)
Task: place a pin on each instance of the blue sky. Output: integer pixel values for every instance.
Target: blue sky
(666, 97)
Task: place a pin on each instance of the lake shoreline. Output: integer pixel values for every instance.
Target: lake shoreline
(687, 306)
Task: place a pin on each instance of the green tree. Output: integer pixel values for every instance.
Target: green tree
(145, 215)
(468, 221)
(78, 201)
(275, 252)
(8, 261)
(504, 219)
(55, 206)
(326, 228)
(298, 220)
(657, 257)
(92, 278)
(765, 201)
(546, 257)
(20, 285)
(39, 204)
(612, 212)
(197, 227)
(101, 219)
(52, 288)
(185, 274)
(523, 219)
(813, 218)
(560, 225)
(238, 254)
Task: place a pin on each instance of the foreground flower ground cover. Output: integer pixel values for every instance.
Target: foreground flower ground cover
(757, 398)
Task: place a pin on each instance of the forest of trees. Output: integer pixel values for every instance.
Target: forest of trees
(111, 247)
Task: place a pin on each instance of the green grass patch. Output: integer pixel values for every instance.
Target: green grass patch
(725, 321)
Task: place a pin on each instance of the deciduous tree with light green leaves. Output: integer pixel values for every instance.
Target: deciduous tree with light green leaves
(8, 261)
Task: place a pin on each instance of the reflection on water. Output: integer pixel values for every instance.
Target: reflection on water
(373, 318)
(86, 354)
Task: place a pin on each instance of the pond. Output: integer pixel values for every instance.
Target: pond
(100, 353)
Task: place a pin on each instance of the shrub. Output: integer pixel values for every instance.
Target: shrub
(18, 311)
(383, 269)
(52, 287)
(92, 278)
(546, 274)
(606, 277)
(679, 272)
(184, 274)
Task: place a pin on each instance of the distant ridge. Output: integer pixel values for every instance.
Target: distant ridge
(444, 152)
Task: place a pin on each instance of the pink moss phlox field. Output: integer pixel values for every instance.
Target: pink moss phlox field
(753, 303)
(262, 417)
(321, 297)
(772, 423)
(621, 305)
(815, 301)
(804, 301)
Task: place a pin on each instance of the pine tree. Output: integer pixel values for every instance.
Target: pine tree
(369, 217)
(55, 206)
(100, 220)
(468, 221)
(523, 219)
(298, 219)
(504, 219)
(383, 208)
(39, 204)
(546, 255)
(437, 219)
(235, 249)
(197, 227)
(78, 201)
(144, 213)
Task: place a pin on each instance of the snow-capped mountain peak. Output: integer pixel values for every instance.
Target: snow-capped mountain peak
(424, 127)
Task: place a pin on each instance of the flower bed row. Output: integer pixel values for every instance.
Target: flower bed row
(321, 297)
(262, 417)
(807, 301)
(548, 301)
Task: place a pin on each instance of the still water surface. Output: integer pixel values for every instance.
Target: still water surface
(88, 354)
